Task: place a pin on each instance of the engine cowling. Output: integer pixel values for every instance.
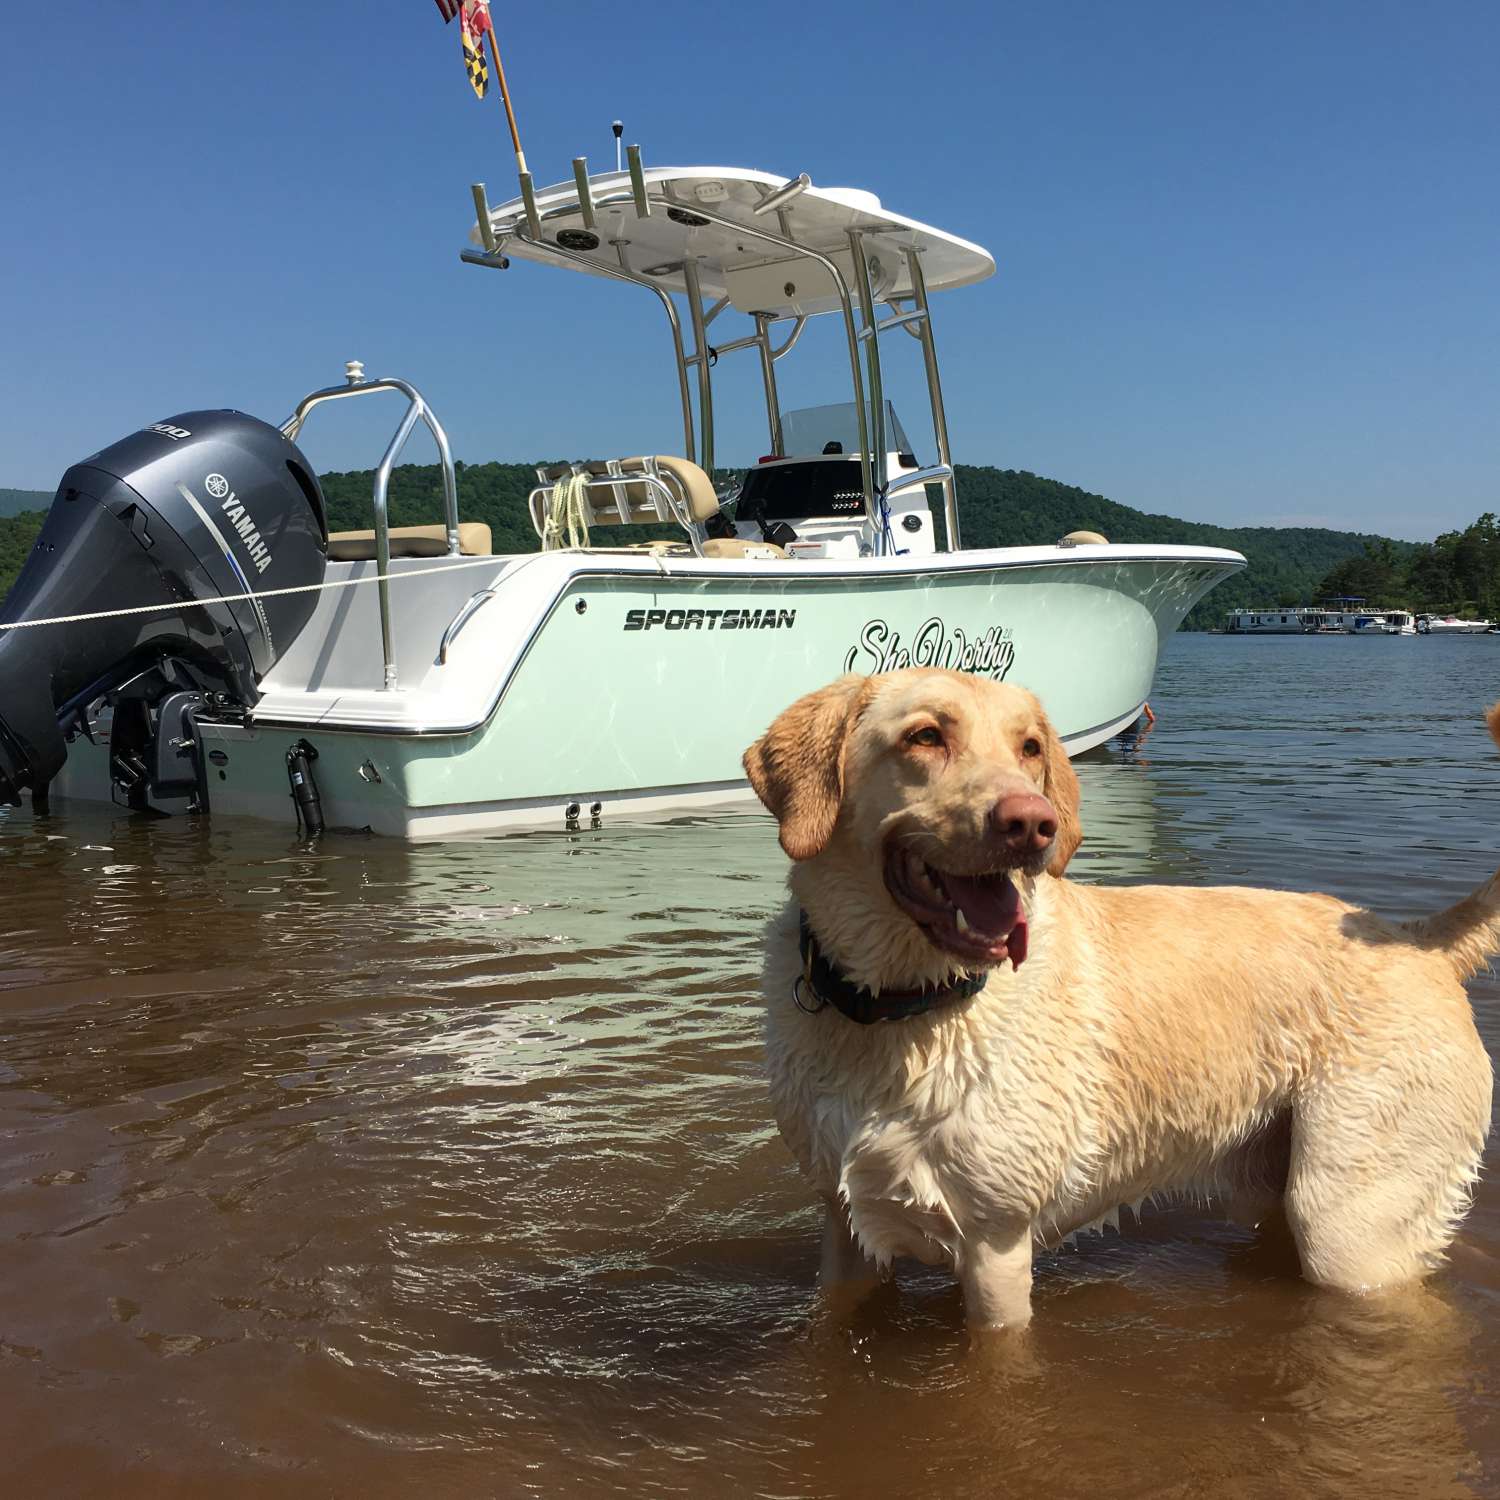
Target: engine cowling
(189, 510)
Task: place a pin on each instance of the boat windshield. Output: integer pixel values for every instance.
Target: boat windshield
(810, 430)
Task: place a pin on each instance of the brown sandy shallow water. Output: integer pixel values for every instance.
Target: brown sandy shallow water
(371, 1169)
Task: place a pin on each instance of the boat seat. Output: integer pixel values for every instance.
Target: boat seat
(692, 488)
(410, 541)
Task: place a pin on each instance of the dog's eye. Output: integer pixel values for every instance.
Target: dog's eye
(1031, 749)
(926, 736)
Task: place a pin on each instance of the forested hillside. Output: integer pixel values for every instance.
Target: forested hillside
(999, 507)
(16, 536)
(1009, 507)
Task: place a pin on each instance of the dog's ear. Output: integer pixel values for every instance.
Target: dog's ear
(1062, 793)
(797, 765)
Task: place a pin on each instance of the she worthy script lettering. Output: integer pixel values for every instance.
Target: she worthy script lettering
(933, 644)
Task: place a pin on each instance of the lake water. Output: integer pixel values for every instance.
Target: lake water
(373, 1169)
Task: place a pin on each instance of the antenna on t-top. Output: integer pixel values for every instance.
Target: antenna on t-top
(619, 129)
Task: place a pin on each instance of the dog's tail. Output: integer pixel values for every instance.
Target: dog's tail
(1468, 932)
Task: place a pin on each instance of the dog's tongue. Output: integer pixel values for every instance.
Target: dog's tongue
(990, 903)
(992, 907)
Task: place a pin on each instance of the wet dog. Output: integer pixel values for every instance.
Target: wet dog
(970, 1055)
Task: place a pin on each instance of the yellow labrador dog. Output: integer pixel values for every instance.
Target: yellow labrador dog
(969, 1056)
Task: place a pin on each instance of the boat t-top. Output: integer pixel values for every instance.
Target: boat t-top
(409, 681)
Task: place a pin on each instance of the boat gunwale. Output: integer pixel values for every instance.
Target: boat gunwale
(831, 573)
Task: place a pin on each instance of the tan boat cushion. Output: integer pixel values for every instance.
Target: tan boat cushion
(1087, 539)
(410, 541)
(727, 546)
(696, 485)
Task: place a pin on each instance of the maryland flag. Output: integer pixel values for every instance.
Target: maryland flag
(474, 21)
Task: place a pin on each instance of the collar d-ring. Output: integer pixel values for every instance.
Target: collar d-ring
(797, 1000)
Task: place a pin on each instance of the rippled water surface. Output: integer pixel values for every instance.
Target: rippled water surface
(372, 1169)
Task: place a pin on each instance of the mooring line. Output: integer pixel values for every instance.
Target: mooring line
(300, 588)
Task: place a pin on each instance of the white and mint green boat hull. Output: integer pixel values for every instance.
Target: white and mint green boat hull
(632, 685)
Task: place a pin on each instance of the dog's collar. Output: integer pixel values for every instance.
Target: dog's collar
(821, 983)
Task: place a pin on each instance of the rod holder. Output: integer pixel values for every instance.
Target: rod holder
(490, 258)
(585, 195)
(638, 182)
(482, 209)
(780, 197)
(528, 197)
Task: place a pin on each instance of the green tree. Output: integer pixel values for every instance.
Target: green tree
(1377, 574)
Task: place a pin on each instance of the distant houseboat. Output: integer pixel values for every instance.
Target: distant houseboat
(1342, 616)
(1265, 622)
(1322, 621)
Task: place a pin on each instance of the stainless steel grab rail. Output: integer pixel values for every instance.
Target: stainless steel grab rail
(475, 604)
(417, 411)
(933, 474)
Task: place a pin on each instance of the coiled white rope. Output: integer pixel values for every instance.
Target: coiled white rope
(567, 506)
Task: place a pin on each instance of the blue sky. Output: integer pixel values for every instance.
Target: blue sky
(1248, 254)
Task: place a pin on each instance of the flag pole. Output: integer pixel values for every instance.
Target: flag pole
(510, 114)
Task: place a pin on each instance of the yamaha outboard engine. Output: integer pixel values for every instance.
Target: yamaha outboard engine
(206, 504)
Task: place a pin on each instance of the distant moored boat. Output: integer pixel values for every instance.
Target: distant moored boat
(1451, 625)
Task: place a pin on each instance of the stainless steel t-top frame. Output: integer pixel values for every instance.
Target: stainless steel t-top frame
(866, 376)
(417, 411)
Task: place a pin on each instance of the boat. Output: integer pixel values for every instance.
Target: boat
(1322, 621)
(1352, 616)
(407, 681)
(1265, 622)
(1339, 616)
(1451, 625)
(1326, 620)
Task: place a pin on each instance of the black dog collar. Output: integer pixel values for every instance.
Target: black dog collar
(820, 984)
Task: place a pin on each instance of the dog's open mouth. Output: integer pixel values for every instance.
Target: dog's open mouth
(973, 917)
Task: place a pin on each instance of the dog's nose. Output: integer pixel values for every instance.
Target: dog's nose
(1025, 822)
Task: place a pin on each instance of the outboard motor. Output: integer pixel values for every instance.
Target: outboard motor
(205, 504)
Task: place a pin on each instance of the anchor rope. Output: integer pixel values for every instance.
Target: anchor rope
(491, 560)
(300, 588)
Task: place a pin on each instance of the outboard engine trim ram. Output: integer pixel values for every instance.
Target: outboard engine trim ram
(202, 505)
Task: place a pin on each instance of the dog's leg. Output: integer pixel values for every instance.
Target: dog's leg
(845, 1273)
(1382, 1166)
(994, 1268)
